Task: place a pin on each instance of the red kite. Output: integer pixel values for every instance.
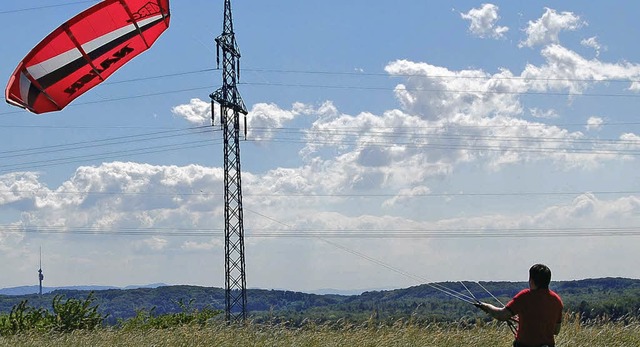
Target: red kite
(85, 51)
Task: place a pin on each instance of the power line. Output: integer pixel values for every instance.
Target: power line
(46, 7)
(109, 155)
(469, 147)
(351, 87)
(382, 129)
(460, 233)
(163, 135)
(436, 90)
(465, 142)
(159, 135)
(416, 134)
(360, 74)
(439, 287)
(130, 97)
(343, 138)
(175, 74)
(489, 77)
(320, 195)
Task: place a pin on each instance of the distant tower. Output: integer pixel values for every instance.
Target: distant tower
(40, 275)
(231, 106)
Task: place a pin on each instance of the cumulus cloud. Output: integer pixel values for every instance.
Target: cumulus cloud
(436, 92)
(488, 107)
(543, 114)
(203, 246)
(21, 187)
(594, 123)
(634, 87)
(589, 210)
(565, 69)
(545, 30)
(592, 42)
(405, 196)
(195, 112)
(269, 195)
(482, 22)
(155, 243)
(263, 120)
(124, 195)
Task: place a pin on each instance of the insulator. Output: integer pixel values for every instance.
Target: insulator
(213, 113)
(223, 119)
(218, 55)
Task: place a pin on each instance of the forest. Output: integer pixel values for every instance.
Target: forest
(615, 299)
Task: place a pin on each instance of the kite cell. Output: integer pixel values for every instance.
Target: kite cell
(85, 51)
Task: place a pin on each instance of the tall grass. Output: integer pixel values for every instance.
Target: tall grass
(216, 333)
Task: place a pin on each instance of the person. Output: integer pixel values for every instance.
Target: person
(538, 308)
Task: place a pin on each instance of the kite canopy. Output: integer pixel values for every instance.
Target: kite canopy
(85, 51)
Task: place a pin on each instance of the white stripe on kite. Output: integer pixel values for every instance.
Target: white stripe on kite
(57, 62)
(103, 40)
(25, 85)
(53, 64)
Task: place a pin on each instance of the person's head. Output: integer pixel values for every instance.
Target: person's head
(540, 275)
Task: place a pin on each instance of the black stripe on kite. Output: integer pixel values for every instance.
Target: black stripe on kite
(57, 75)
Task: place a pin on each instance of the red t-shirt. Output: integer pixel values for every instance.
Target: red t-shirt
(539, 311)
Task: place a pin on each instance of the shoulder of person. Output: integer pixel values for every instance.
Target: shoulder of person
(555, 295)
(523, 292)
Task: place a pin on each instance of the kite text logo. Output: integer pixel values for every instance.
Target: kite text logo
(147, 10)
(104, 65)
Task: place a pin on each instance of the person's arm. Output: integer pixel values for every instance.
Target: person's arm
(499, 313)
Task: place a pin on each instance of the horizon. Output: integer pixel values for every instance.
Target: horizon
(317, 291)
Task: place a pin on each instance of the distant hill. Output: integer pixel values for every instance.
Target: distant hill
(26, 290)
(618, 298)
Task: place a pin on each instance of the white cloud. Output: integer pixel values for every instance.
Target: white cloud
(546, 29)
(482, 22)
(567, 70)
(487, 109)
(405, 196)
(628, 142)
(203, 246)
(588, 211)
(263, 120)
(196, 112)
(130, 196)
(634, 87)
(543, 114)
(155, 243)
(435, 92)
(594, 123)
(593, 43)
(122, 195)
(20, 187)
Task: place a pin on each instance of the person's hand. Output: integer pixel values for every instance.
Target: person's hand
(482, 306)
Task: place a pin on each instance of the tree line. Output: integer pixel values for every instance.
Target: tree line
(611, 298)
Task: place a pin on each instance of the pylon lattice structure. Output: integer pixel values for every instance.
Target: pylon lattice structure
(231, 106)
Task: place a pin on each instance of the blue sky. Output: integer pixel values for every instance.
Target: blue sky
(389, 144)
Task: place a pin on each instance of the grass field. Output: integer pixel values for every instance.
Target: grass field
(401, 334)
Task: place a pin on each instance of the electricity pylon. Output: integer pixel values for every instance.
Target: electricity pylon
(231, 106)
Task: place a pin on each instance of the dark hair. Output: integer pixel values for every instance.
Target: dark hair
(541, 275)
